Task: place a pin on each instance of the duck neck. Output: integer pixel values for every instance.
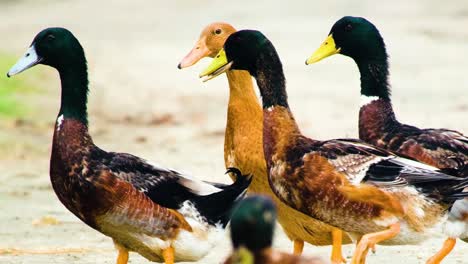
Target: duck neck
(71, 127)
(270, 80)
(279, 125)
(74, 81)
(374, 77)
(243, 108)
(241, 87)
(243, 141)
(71, 140)
(376, 116)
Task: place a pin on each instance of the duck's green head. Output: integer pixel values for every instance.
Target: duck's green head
(241, 51)
(56, 47)
(355, 37)
(253, 222)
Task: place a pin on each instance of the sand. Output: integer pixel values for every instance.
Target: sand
(142, 104)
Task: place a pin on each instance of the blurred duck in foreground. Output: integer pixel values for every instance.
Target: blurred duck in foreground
(252, 228)
(243, 145)
(373, 194)
(445, 149)
(158, 212)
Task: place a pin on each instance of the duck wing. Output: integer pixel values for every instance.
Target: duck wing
(365, 163)
(163, 186)
(172, 189)
(433, 139)
(446, 148)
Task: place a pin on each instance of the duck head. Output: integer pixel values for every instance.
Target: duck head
(243, 50)
(354, 37)
(211, 41)
(56, 47)
(253, 222)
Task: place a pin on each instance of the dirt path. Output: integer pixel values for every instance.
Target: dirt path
(142, 104)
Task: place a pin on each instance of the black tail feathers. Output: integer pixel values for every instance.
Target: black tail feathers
(236, 172)
(461, 170)
(455, 190)
(216, 207)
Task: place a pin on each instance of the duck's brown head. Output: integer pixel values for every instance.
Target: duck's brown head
(211, 41)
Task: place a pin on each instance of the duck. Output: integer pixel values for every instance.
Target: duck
(252, 228)
(243, 145)
(160, 213)
(359, 39)
(372, 194)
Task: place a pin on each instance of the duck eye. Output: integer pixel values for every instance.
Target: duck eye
(218, 31)
(348, 27)
(50, 37)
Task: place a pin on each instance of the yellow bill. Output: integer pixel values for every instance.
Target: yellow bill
(219, 65)
(327, 48)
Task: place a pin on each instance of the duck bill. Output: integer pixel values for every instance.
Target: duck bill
(199, 51)
(218, 66)
(327, 48)
(29, 59)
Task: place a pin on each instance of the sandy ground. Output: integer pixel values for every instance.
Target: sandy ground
(142, 104)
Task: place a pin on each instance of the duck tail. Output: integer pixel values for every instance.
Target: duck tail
(461, 170)
(216, 207)
(454, 190)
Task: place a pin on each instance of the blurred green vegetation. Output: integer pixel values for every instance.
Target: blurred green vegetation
(13, 91)
(20, 97)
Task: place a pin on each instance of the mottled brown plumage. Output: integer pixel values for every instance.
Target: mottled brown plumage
(243, 145)
(341, 182)
(304, 176)
(101, 199)
(442, 148)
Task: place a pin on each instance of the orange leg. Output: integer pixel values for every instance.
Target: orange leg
(449, 244)
(298, 246)
(369, 241)
(337, 255)
(372, 248)
(122, 258)
(168, 255)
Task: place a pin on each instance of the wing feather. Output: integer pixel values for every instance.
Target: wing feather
(163, 186)
(361, 162)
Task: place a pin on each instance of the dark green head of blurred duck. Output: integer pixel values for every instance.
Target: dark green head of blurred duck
(58, 48)
(253, 223)
(359, 39)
